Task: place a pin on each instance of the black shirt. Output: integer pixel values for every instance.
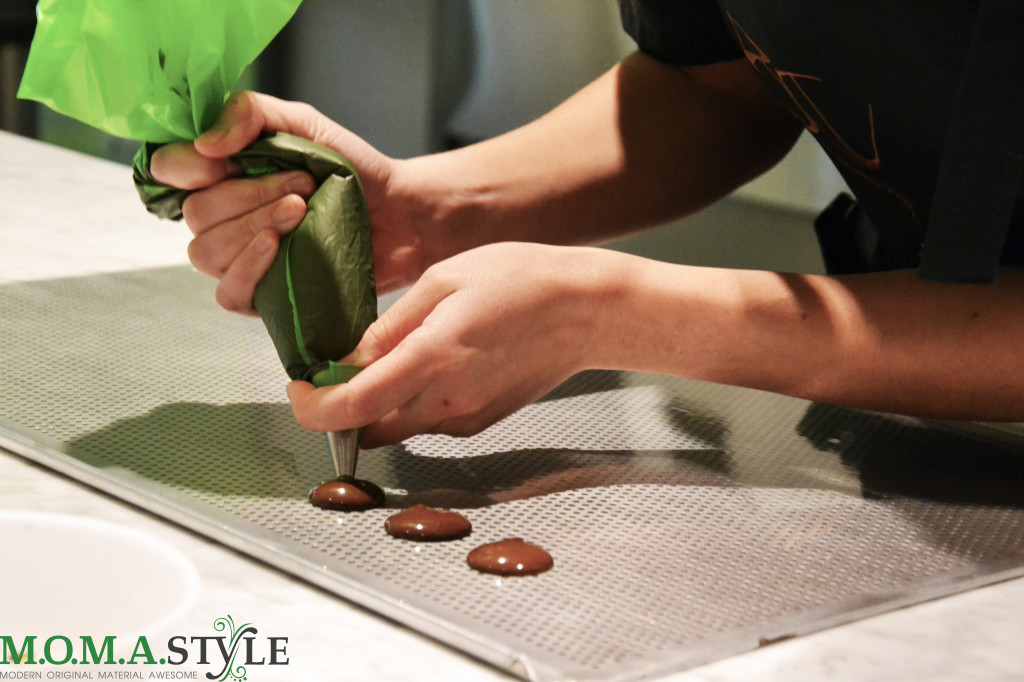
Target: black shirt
(873, 80)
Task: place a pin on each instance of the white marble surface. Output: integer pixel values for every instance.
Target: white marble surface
(94, 223)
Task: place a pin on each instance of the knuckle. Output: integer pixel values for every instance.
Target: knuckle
(264, 190)
(356, 409)
(434, 274)
(444, 277)
(249, 225)
(308, 111)
(314, 120)
(376, 335)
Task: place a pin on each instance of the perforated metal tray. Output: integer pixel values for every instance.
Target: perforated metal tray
(687, 521)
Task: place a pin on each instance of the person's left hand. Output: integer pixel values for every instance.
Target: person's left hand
(479, 336)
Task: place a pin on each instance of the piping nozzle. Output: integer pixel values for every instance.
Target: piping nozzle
(344, 449)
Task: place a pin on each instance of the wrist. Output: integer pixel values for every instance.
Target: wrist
(442, 213)
(621, 311)
(680, 320)
(749, 328)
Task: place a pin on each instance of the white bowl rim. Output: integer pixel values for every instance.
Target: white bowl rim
(168, 552)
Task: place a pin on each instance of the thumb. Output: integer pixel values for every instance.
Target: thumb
(238, 126)
(247, 115)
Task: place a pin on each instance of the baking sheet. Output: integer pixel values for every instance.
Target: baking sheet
(687, 521)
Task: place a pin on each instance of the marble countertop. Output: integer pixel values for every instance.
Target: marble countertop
(94, 223)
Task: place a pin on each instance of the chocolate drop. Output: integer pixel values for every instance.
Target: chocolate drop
(510, 557)
(424, 523)
(347, 494)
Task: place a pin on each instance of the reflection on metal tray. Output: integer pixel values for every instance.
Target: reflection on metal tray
(687, 521)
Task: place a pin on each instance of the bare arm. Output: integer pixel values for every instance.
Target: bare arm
(643, 144)
(886, 341)
(484, 333)
(488, 331)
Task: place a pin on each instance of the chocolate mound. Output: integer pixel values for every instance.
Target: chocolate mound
(347, 494)
(425, 523)
(510, 557)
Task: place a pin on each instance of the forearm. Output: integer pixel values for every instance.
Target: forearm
(888, 342)
(641, 145)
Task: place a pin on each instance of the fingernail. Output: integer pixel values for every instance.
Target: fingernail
(286, 212)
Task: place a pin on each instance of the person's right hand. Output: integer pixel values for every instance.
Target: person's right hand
(236, 222)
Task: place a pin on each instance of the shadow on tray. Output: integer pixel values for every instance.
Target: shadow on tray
(258, 450)
(905, 458)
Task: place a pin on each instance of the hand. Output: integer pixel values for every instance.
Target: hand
(479, 336)
(237, 221)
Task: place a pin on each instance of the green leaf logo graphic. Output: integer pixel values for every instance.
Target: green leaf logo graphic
(235, 634)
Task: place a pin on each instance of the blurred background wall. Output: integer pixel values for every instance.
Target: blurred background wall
(418, 76)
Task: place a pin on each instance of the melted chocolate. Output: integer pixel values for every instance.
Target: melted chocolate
(510, 557)
(423, 523)
(347, 494)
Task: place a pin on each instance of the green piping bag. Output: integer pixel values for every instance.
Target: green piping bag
(160, 71)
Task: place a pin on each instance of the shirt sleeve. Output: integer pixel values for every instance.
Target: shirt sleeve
(679, 32)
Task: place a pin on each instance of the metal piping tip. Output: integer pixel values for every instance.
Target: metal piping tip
(344, 448)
